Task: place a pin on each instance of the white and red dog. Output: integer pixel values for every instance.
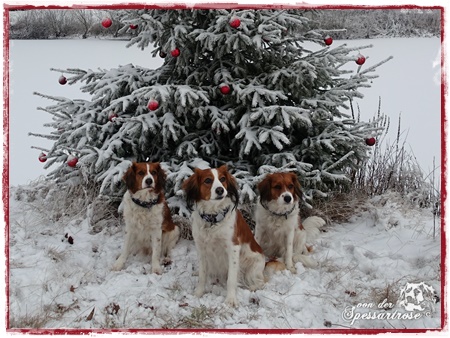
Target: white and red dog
(278, 228)
(148, 222)
(225, 244)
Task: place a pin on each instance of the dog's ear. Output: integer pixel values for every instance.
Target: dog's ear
(296, 183)
(130, 176)
(161, 177)
(264, 188)
(191, 189)
(232, 186)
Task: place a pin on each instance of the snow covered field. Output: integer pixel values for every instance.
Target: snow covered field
(364, 264)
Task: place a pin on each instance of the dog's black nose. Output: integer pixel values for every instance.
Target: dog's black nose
(148, 181)
(219, 191)
(287, 199)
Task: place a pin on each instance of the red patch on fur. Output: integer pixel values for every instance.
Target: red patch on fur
(273, 185)
(205, 180)
(243, 234)
(198, 186)
(139, 171)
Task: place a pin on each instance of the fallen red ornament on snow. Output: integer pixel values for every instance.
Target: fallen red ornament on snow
(107, 22)
(328, 40)
(62, 80)
(225, 89)
(235, 23)
(42, 157)
(153, 105)
(360, 60)
(175, 53)
(72, 161)
(371, 141)
(133, 26)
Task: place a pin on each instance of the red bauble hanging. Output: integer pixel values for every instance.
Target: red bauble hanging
(112, 117)
(371, 141)
(42, 157)
(72, 161)
(328, 40)
(133, 26)
(360, 59)
(107, 22)
(225, 89)
(153, 105)
(62, 80)
(235, 23)
(175, 53)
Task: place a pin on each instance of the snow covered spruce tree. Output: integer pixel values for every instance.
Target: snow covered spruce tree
(260, 90)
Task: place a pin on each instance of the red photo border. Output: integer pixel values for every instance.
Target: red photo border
(5, 173)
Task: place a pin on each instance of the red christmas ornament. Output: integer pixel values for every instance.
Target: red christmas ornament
(175, 53)
(235, 23)
(153, 105)
(225, 89)
(42, 157)
(133, 26)
(107, 22)
(328, 40)
(360, 59)
(62, 80)
(112, 117)
(371, 141)
(72, 161)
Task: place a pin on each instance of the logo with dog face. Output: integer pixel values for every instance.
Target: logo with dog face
(418, 297)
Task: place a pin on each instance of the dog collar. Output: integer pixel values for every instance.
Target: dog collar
(145, 204)
(284, 214)
(215, 218)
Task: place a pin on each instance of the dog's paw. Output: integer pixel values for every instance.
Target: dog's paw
(231, 302)
(292, 269)
(118, 265)
(157, 270)
(199, 292)
(258, 284)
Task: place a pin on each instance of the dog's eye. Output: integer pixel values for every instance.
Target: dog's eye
(222, 179)
(153, 172)
(290, 186)
(208, 181)
(141, 173)
(278, 187)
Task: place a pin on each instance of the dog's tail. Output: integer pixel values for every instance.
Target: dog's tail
(311, 225)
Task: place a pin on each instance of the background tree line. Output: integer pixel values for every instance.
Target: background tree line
(356, 23)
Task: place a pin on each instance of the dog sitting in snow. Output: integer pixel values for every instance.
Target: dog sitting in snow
(225, 244)
(278, 228)
(148, 222)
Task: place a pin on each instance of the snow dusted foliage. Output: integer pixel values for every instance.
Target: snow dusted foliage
(285, 109)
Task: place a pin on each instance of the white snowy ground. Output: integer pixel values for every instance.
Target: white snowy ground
(63, 285)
